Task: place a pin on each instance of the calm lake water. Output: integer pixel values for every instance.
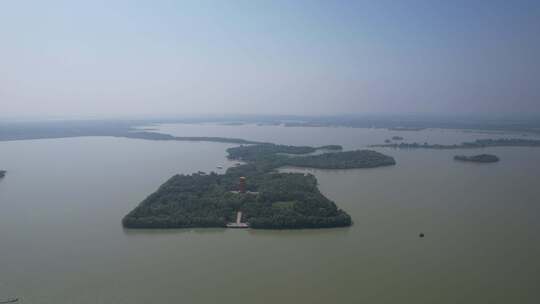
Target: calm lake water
(61, 239)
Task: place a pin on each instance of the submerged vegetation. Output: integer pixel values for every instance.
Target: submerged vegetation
(273, 200)
(481, 158)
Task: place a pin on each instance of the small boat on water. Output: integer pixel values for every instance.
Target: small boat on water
(220, 167)
(9, 300)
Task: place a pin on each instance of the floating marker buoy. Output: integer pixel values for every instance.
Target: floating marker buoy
(421, 235)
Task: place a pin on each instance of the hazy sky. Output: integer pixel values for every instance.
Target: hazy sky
(67, 58)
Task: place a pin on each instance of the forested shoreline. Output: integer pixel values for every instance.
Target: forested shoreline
(479, 143)
(273, 201)
(481, 158)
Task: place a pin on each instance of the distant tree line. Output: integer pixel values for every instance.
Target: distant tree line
(479, 143)
(481, 158)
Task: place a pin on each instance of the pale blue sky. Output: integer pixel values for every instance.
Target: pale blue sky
(79, 58)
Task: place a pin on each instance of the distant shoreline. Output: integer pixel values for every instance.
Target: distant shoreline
(144, 128)
(479, 143)
(71, 129)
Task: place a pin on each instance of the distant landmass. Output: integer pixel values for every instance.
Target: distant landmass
(481, 158)
(479, 143)
(396, 122)
(127, 129)
(2, 173)
(264, 197)
(406, 129)
(161, 136)
(13, 130)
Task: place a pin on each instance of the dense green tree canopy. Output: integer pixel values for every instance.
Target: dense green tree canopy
(273, 200)
(479, 143)
(481, 158)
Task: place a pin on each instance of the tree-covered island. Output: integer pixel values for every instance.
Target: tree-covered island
(481, 158)
(479, 143)
(2, 173)
(272, 200)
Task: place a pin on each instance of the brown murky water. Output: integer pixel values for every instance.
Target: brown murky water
(61, 240)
